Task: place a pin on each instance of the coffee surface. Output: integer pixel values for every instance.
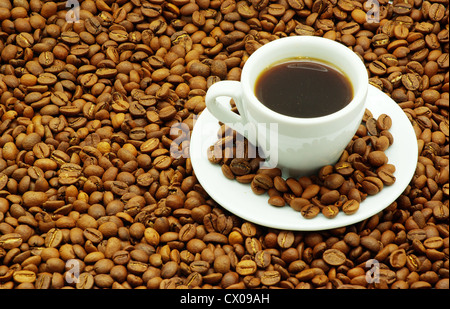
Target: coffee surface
(303, 88)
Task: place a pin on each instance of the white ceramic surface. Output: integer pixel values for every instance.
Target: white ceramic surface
(302, 145)
(240, 200)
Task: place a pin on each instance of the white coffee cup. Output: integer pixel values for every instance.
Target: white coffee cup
(299, 146)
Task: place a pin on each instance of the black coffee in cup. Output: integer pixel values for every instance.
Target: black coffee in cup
(303, 88)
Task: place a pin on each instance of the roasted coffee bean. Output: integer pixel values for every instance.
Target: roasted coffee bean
(262, 259)
(334, 257)
(85, 281)
(350, 207)
(310, 191)
(310, 211)
(240, 167)
(277, 201)
(246, 267)
(371, 125)
(32, 198)
(24, 276)
(371, 243)
(270, 277)
(377, 68)
(10, 241)
(387, 177)
(384, 122)
(54, 238)
(330, 211)
(285, 239)
(333, 181)
(398, 258)
(93, 235)
(372, 185)
(262, 181)
(377, 158)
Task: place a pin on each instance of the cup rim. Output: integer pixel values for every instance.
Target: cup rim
(359, 94)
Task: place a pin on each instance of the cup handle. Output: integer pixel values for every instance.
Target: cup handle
(222, 112)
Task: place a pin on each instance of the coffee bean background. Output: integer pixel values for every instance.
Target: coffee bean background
(90, 196)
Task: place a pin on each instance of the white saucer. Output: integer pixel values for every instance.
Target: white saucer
(240, 200)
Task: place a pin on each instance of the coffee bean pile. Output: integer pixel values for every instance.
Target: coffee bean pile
(362, 170)
(91, 197)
